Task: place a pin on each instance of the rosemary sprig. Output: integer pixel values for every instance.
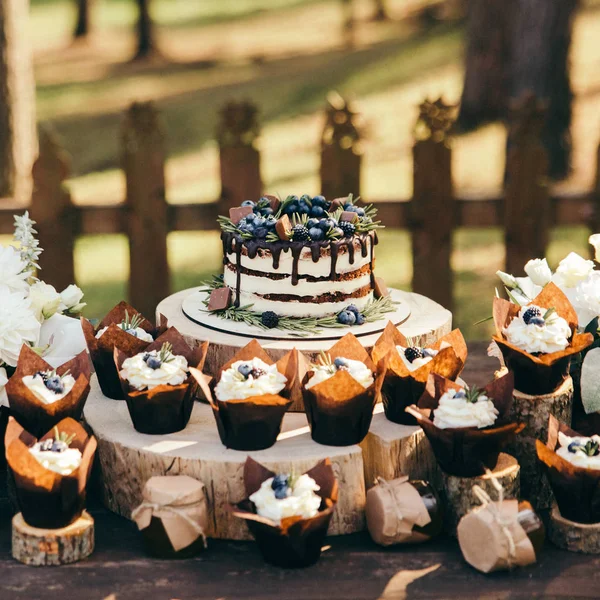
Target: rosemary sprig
(131, 322)
(591, 448)
(549, 313)
(272, 237)
(472, 394)
(63, 437)
(324, 361)
(165, 354)
(376, 308)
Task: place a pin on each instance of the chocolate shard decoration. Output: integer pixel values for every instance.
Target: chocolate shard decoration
(283, 227)
(380, 288)
(220, 299)
(274, 202)
(237, 213)
(349, 216)
(337, 203)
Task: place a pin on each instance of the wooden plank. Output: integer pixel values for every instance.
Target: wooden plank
(147, 224)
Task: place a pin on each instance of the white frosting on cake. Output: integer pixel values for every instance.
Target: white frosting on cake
(141, 377)
(301, 500)
(358, 370)
(63, 463)
(553, 336)
(36, 384)
(453, 412)
(139, 333)
(233, 385)
(578, 458)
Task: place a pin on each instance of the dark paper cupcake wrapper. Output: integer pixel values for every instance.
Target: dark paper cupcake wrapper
(576, 490)
(46, 499)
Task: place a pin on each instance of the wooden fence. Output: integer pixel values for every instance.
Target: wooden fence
(526, 211)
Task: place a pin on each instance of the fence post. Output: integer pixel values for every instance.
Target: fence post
(237, 133)
(432, 209)
(143, 160)
(341, 149)
(527, 203)
(52, 209)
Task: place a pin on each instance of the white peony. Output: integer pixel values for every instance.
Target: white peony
(594, 240)
(70, 300)
(539, 272)
(45, 300)
(12, 270)
(586, 298)
(3, 382)
(571, 270)
(18, 325)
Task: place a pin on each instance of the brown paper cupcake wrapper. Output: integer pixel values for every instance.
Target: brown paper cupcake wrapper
(296, 542)
(339, 410)
(577, 490)
(402, 387)
(543, 373)
(102, 350)
(47, 499)
(165, 408)
(467, 451)
(35, 416)
(251, 423)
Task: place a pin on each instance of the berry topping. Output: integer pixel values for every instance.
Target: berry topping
(353, 309)
(261, 232)
(347, 227)
(573, 447)
(537, 321)
(269, 319)
(55, 384)
(132, 332)
(59, 446)
(319, 201)
(412, 353)
(360, 319)
(313, 223)
(245, 370)
(316, 234)
(300, 233)
(279, 481)
(346, 318)
(340, 362)
(460, 395)
(317, 211)
(154, 362)
(46, 445)
(256, 373)
(247, 203)
(530, 313)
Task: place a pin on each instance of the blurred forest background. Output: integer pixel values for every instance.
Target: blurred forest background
(92, 58)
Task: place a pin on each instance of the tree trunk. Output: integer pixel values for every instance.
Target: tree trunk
(145, 30)
(17, 101)
(487, 62)
(83, 25)
(541, 37)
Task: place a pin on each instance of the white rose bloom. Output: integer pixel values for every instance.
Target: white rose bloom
(70, 300)
(12, 270)
(45, 300)
(18, 325)
(586, 299)
(539, 272)
(571, 270)
(3, 382)
(507, 279)
(594, 240)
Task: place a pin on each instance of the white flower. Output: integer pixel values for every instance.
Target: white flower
(571, 270)
(594, 240)
(3, 382)
(12, 270)
(507, 279)
(539, 272)
(45, 300)
(70, 300)
(18, 325)
(586, 298)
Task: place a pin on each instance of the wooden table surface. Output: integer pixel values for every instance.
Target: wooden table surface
(351, 568)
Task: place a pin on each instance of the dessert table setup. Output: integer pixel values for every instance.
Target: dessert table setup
(299, 428)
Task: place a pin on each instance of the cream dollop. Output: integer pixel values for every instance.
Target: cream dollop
(552, 336)
(172, 371)
(300, 501)
(576, 455)
(454, 410)
(358, 370)
(428, 354)
(138, 332)
(37, 385)
(64, 462)
(255, 378)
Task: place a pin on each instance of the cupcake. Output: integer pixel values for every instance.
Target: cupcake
(537, 341)
(250, 396)
(122, 328)
(51, 473)
(408, 366)
(467, 427)
(340, 392)
(572, 464)
(157, 384)
(40, 396)
(287, 514)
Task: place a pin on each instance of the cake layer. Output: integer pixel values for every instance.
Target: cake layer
(294, 308)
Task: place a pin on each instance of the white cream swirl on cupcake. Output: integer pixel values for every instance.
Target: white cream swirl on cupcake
(414, 357)
(48, 387)
(537, 330)
(464, 408)
(247, 378)
(582, 452)
(148, 370)
(285, 496)
(130, 325)
(55, 454)
(325, 369)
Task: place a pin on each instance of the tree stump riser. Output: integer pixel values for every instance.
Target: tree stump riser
(574, 537)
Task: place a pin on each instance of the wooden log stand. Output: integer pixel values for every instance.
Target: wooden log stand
(534, 411)
(51, 547)
(459, 497)
(571, 536)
